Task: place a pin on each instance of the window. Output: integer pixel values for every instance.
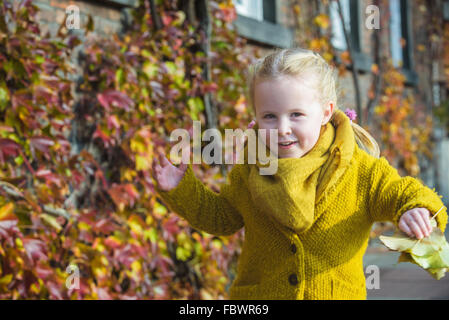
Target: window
(250, 8)
(446, 10)
(338, 37)
(350, 11)
(400, 34)
(256, 21)
(260, 10)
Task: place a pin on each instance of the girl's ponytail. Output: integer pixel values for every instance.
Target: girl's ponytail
(365, 141)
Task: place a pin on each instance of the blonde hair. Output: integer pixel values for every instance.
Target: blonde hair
(297, 62)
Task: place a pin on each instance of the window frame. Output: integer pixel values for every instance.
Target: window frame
(123, 3)
(362, 60)
(408, 66)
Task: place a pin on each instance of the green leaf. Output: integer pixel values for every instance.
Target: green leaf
(150, 69)
(171, 66)
(18, 160)
(39, 59)
(195, 107)
(119, 77)
(4, 96)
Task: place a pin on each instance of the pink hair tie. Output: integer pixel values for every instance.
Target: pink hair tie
(352, 115)
(251, 124)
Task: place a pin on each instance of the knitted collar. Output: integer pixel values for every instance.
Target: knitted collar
(291, 194)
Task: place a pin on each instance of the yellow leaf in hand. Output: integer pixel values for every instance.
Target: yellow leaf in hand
(431, 253)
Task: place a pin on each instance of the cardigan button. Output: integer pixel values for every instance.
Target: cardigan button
(293, 248)
(293, 279)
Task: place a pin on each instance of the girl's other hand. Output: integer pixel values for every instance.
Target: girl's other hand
(416, 222)
(166, 174)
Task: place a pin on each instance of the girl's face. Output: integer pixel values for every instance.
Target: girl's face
(291, 106)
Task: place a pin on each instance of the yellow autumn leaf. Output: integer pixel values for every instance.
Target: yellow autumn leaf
(7, 211)
(6, 280)
(182, 253)
(322, 21)
(51, 221)
(431, 253)
(142, 163)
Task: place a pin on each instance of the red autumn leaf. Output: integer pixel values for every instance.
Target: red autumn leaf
(112, 242)
(41, 92)
(8, 230)
(170, 228)
(105, 226)
(8, 148)
(140, 250)
(103, 294)
(41, 143)
(35, 249)
(125, 256)
(99, 175)
(166, 19)
(113, 98)
(54, 290)
(124, 194)
(49, 176)
(210, 87)
(113, 122)
(43, 272)
(108, 141)
(77, 176)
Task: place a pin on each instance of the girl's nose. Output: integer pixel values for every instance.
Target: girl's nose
(284, 128)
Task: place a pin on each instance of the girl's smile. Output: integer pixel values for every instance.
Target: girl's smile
(287, 145)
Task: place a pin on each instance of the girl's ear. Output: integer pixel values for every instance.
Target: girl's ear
(328, 111)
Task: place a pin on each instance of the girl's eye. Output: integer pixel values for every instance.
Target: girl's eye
(268, 116)
(297, 114)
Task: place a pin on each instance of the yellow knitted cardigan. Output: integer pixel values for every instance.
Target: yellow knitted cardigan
(326, 260)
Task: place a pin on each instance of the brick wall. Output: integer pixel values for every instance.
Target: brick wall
(106, 17)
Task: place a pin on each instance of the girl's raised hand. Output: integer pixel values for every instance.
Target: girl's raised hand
(416, 222)
(166, 174)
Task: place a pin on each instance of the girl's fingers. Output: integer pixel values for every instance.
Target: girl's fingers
(425, 214)
(413, 225)
(404, 227)
(421, 223)
(164, 161)
(156, 168)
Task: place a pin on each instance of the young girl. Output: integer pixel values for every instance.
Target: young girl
(307, 226)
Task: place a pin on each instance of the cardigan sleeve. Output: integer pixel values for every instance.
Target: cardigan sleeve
(391, 195)
(203, 208)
